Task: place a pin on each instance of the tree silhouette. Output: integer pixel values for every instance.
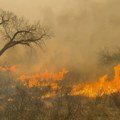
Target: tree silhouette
(16, 30)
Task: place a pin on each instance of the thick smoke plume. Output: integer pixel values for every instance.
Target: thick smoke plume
(81, 29)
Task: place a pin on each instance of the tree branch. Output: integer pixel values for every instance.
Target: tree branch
(18, 31)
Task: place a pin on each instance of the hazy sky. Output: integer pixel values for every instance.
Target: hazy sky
(81, 28)
(33, 9)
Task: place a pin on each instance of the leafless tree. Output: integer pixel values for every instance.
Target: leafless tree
(16, 30)
(107, 57)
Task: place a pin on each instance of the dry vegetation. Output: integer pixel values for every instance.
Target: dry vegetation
(18, 102)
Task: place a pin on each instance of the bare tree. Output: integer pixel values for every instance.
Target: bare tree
(16, 30)
(109, 57)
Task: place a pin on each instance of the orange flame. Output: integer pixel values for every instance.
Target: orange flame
(40, 79)
(99, 88)
(103, 86)
(11, 69)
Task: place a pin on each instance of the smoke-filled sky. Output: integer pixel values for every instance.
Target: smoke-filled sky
(81, 29)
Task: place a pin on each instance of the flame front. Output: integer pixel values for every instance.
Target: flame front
(11, 69)
(43, 79)
(99, 88)
(103, 86)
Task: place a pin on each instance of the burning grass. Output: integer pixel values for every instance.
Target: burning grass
(104, 86)
(44, 96)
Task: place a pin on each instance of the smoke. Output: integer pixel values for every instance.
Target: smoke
(81, 28)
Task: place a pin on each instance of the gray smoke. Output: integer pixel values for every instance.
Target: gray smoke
(81, 29)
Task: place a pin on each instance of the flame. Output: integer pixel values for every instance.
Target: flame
(102, 87)
(11, 69)
(39, 79)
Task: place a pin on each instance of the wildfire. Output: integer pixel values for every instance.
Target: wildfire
(104, 86)
(99, 88)
(43, 79)
(11, 69)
